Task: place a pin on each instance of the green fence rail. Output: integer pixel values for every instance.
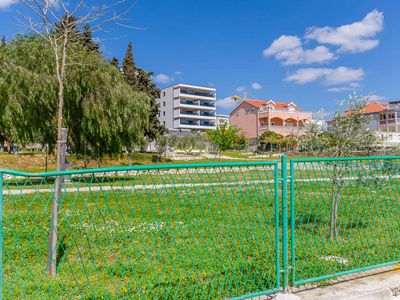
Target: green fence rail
(203, 231)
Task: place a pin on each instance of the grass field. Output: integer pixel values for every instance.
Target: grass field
(203, 233)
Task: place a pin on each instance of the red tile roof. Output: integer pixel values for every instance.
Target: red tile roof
(260, 103)
(373, 107)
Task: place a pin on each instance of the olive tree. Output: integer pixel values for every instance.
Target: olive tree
(348, 132)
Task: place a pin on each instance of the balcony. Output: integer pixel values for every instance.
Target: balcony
(195, 125)
(196, 93)
(210, 106)
(197, 115)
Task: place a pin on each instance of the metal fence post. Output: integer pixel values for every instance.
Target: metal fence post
(1, 235)
(285, 246)
(292, 220)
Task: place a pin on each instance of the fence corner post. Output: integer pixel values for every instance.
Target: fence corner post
(285, 246)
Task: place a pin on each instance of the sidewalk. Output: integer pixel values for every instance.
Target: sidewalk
(369, 285)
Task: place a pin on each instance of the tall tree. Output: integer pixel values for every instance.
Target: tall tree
(3, 41)
(129, 67)
(87, 39)
(58, 33)
(115, 62)
(144, 84)
(140, 80)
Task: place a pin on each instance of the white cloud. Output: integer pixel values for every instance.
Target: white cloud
(350, 87)
(7, 3)
(374, 97)
(289, 50)
(178, 73)
(256, 86)
(240, 89)
(162, 78)
(355, 37)
(328, 76)
(226, 103)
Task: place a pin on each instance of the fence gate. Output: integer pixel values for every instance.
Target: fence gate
(344, 216)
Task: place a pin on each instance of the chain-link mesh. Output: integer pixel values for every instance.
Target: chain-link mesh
(345, 216)
(197, 231)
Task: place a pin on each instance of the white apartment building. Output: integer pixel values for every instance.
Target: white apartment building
(186, 107)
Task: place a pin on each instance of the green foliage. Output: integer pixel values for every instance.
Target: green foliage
(224, 137)
(115, 62)
(188, 143)
(140, 80)
(102, 113)
(271, 139)
(145, 85)
(87, 39)
(129, 68)
(3, 41)
(347, 133)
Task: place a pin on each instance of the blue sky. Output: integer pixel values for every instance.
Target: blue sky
(311, 52)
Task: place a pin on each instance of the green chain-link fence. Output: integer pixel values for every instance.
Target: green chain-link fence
(199, 231)
(172, 232)
(345, 216)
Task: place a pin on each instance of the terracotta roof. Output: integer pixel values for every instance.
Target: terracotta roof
(372, 107)
(260, 103)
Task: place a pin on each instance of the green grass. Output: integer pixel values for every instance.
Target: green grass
(200, 242)
(211, 236)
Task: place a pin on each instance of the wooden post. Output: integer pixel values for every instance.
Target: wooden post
(52, 244)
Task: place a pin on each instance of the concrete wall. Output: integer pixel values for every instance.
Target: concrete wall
(166, 102)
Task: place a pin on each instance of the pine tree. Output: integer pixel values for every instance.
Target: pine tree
(144, 84)
(140, 80)
(87, 39)
(115, 62)
(3, 42)
(129, 68)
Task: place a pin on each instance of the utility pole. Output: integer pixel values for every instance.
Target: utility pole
(52, 244)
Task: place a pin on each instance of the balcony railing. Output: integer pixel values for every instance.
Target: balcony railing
(198, 104)
(212, 95)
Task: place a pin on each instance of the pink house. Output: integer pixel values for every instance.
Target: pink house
(253, 117)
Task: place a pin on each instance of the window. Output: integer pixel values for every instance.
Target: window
(163, 93)
(163, 113)
(164, 123)
(164, 103)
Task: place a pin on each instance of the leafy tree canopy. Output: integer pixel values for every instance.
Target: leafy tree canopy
(102, 113)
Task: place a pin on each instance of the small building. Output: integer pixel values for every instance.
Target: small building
(221, 120)
(385, 120)
(185, 108)
(253, 117)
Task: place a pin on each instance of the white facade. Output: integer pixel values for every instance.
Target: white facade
(221, 119)
(387, 124)
(187, 107)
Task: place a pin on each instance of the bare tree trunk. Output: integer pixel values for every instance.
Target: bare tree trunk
(61, 141)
